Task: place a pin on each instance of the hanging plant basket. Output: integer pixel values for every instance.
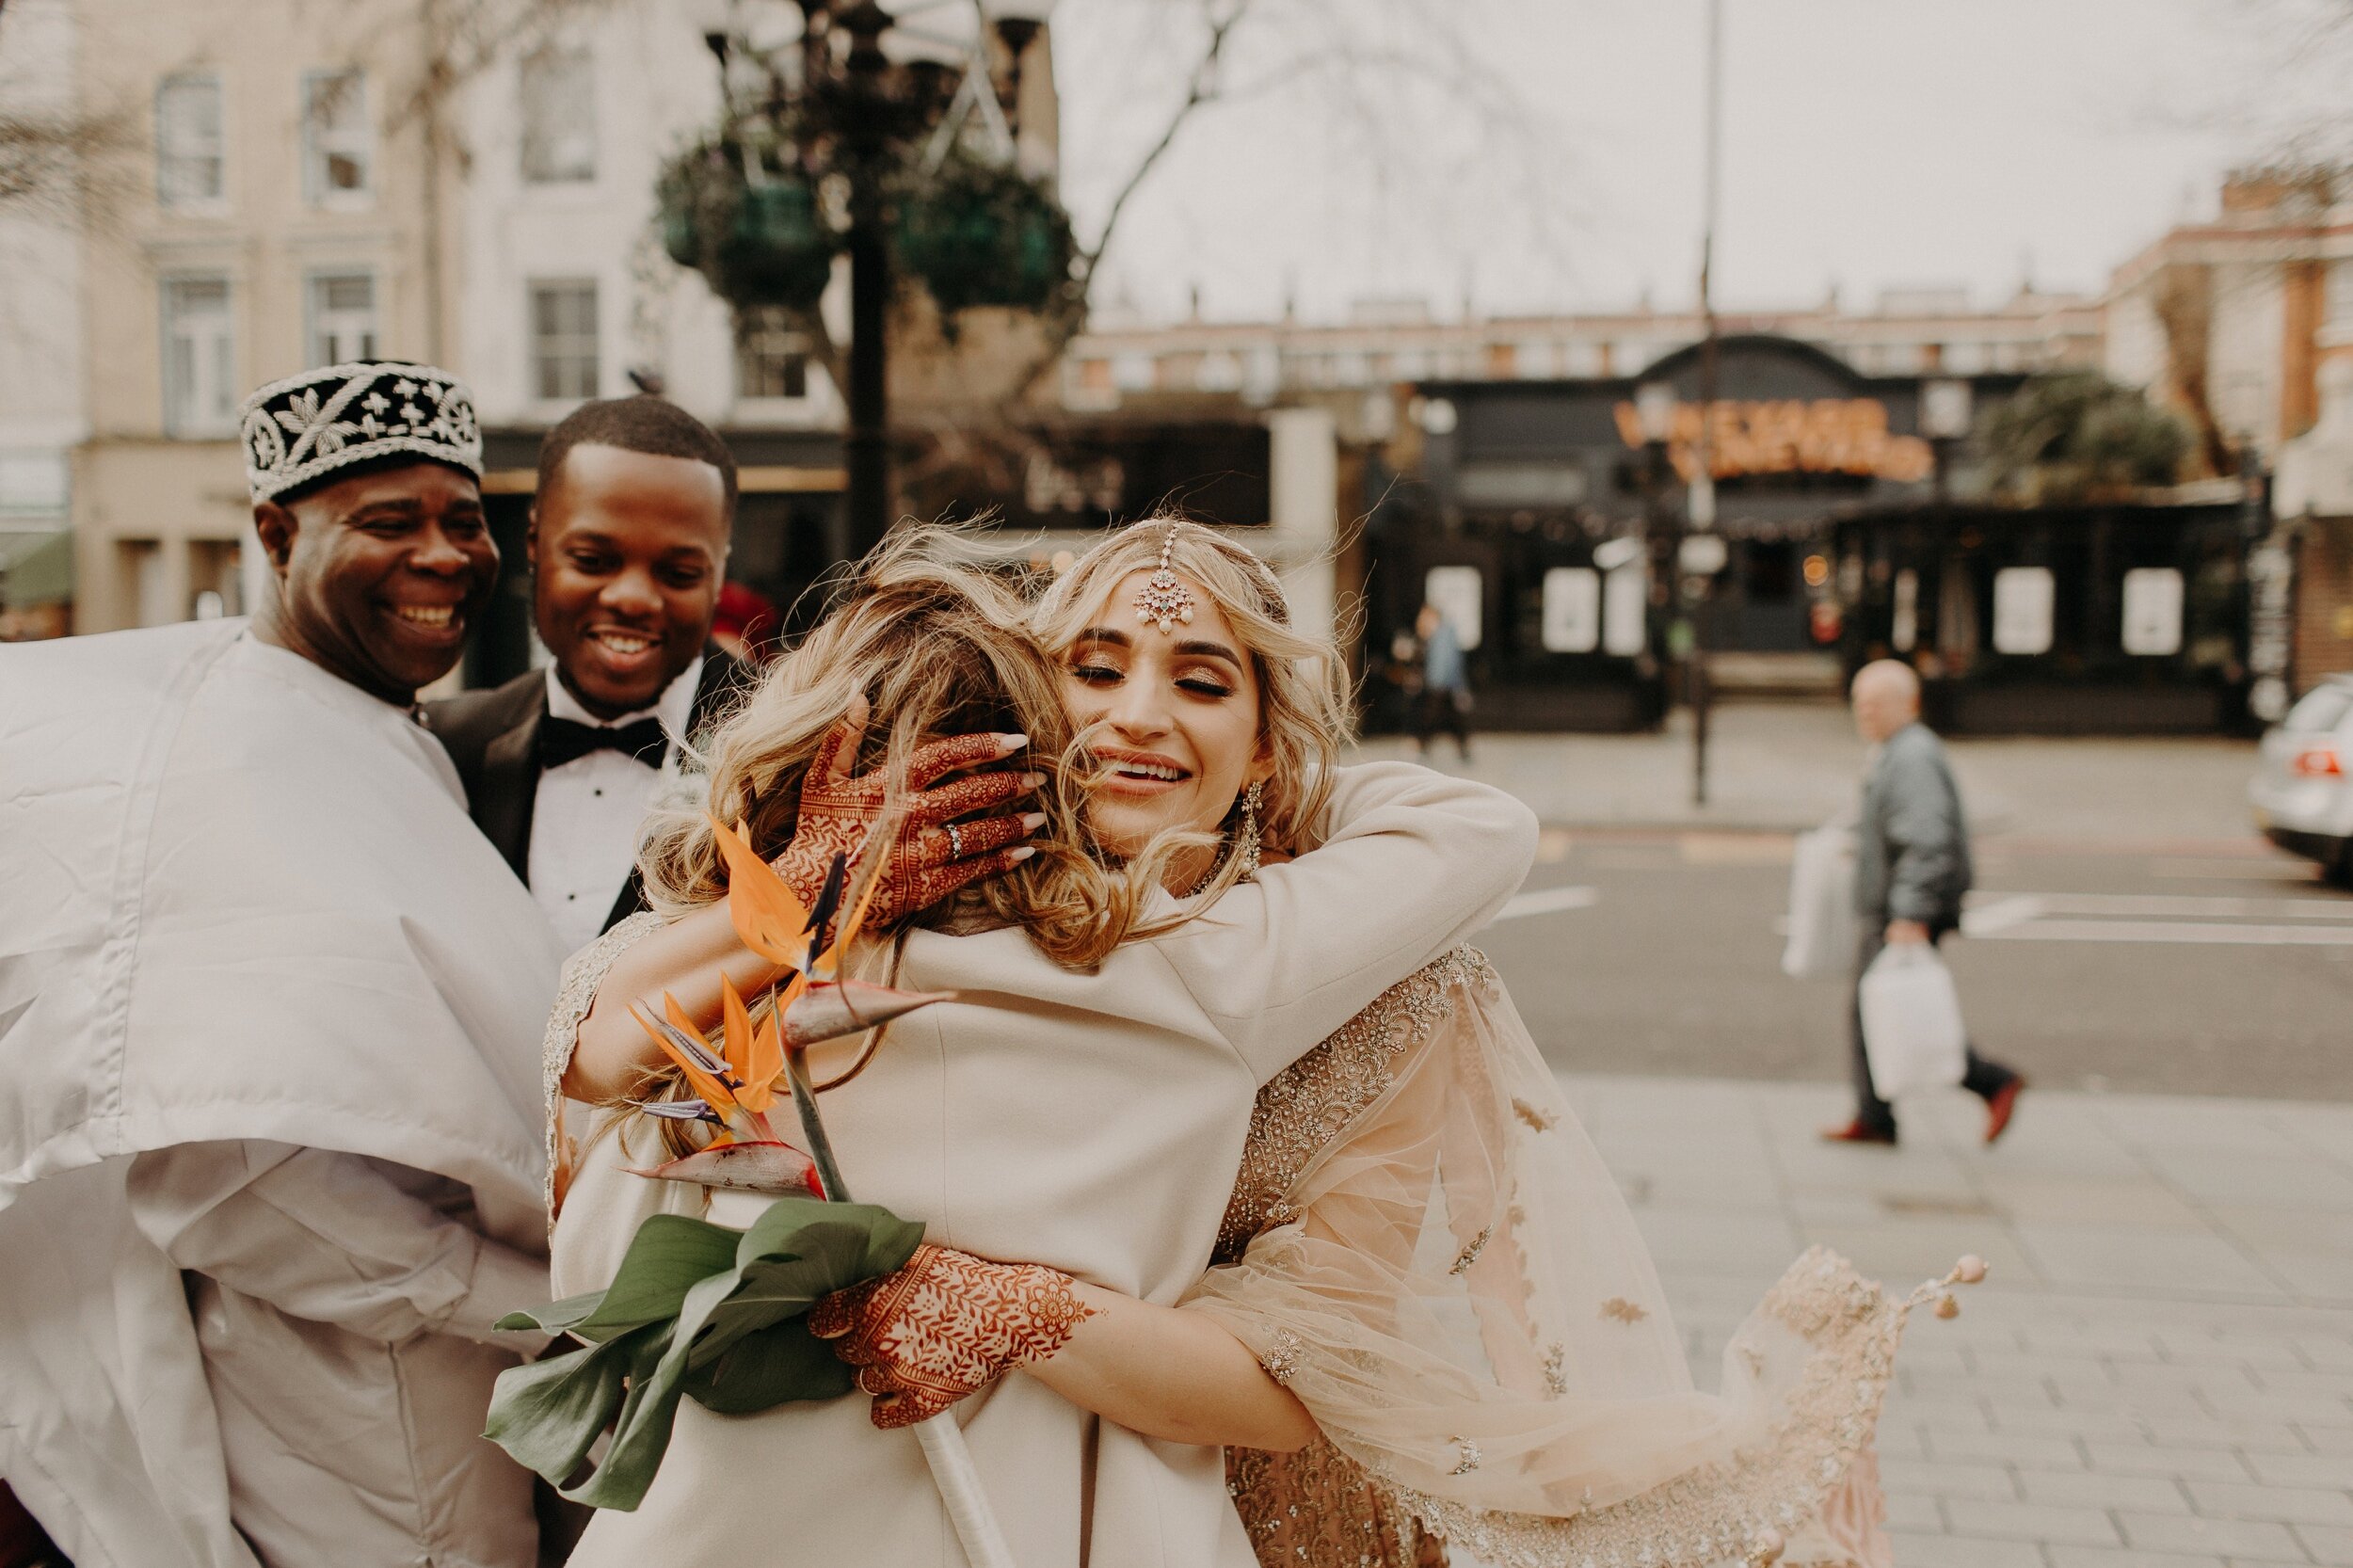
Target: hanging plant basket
(977, 234)
(755, 242)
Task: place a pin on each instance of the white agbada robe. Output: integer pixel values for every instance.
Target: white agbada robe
(267, 999)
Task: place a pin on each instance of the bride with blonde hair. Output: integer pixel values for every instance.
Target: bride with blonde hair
(1423, 1315)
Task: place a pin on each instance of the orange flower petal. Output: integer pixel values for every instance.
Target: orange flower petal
(709, 1088)
(735, 1029)
(763, 1065)
(881, 840)
(768, 917)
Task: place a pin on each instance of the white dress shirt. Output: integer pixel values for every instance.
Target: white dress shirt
(586, 814)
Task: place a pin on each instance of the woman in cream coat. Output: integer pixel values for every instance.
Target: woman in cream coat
(1082, 1109)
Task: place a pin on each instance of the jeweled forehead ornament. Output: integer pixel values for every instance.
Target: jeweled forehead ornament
(1164, 601)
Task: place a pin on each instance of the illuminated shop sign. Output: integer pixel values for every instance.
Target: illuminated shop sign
(1827, 434)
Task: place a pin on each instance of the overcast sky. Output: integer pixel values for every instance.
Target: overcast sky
(1868, 144)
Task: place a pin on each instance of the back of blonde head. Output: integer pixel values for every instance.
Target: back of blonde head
(939, 646)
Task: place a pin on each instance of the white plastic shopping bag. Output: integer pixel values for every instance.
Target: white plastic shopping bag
(1822, 930)
(1912, 1029)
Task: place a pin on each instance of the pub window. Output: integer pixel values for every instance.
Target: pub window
(199, 361)
(1460, 595)
(2152, 610)
(558, 91)
(1626, 609)
(1571, 617)
(770, 358)
(563, 338)
(2022, 601)
(337, 146)
(191, 159)
(342, 317)
(2340, 304)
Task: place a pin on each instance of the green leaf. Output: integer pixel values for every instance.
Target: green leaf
(666, 1259)
(695, 1309)
(643, 1432)
(555, 1318)
(547, 1414)
(775, 1366)
(861, 1240)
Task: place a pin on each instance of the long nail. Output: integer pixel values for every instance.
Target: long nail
(1008, 744)
(1022, 853)
(1031, 781)
(1032, 821)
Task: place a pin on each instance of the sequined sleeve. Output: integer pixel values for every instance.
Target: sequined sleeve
(583, 973)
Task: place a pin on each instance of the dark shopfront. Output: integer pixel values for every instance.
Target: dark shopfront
(789, 519)
(1545, 515)
(2055, 620)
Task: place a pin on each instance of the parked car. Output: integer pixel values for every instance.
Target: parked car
(2303, 787)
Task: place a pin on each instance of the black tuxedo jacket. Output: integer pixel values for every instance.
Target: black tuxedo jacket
(493, 737)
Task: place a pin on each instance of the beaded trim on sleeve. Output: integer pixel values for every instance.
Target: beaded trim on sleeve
(1721, 1513)
(575, 994)
(1309, 1103)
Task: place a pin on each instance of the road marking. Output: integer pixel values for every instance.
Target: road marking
(1548, 901)
(2177, 931)
(2190, 908)
(1996, 916)
(2236, 871)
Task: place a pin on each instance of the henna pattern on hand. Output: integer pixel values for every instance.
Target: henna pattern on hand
(838, 811)
(946, 1326)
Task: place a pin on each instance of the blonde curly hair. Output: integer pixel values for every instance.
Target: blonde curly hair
(939, 644)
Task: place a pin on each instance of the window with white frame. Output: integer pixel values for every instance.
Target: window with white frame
(191, 157)
(337, 145)
(342, 317)
(559, 94)
(770, 358)
(563, 338)
(199, 357)
(2340, 302)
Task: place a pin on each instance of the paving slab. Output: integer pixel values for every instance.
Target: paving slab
(2158, 1372)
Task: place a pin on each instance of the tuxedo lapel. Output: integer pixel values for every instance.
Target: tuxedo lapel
(511, 787)
(722, 683)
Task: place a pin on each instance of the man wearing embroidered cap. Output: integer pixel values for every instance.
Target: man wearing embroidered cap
(269, 1008)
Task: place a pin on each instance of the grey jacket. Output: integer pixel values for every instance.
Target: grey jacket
(1912, 846)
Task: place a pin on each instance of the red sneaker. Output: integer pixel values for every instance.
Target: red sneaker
(1857, 1131)
(2004, 1105)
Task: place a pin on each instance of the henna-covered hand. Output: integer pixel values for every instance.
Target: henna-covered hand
(946, 1325)
(936, 854)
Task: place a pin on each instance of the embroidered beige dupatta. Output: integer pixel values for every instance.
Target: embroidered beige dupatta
(1426, 1249)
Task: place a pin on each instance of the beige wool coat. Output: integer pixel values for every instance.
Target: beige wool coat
(1090, 1122)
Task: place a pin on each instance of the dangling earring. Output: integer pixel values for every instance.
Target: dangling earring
(1246, 842)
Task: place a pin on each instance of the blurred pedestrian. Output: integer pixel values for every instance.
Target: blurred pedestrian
(628, 541)
(270, 1173)
(1444, 700)
(1912, 870)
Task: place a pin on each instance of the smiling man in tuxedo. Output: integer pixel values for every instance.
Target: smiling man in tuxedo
(629, 550)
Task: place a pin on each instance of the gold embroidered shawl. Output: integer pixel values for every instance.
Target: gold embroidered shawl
(1423, 1246)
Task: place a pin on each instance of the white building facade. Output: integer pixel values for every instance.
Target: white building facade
(41, 418)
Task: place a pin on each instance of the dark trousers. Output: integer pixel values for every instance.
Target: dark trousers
(1435, 709)
(1983, 1077)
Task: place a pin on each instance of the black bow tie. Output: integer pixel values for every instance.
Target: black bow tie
(562, 740)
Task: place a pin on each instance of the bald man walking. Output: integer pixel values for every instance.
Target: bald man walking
(1911, 869)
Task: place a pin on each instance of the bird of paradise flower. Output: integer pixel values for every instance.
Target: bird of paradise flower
(735, 1086)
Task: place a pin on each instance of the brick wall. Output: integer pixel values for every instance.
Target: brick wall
(2323, 600)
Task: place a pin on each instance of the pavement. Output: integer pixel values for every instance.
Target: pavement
(1782, 767)
(2158, 1369)
(2158, 1372)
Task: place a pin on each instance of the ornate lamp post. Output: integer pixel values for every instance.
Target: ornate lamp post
(835, 139)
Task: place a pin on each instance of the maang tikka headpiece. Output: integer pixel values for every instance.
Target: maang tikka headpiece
(1164, 601)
